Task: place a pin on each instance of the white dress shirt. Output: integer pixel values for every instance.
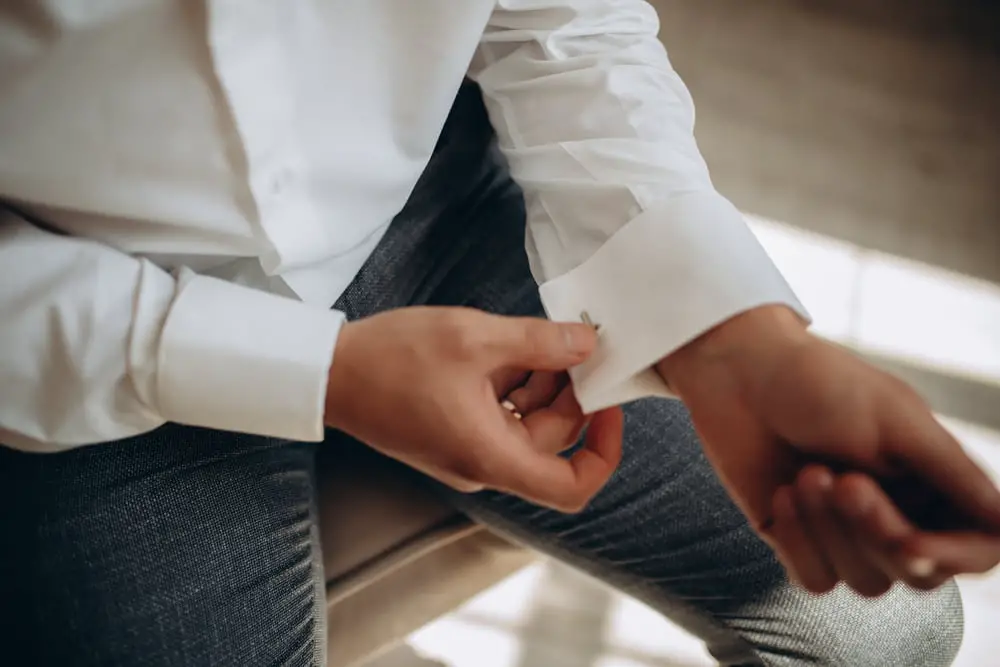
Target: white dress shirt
(215, 173)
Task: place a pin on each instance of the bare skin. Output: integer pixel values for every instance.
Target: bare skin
(423, 385)
(811, 442)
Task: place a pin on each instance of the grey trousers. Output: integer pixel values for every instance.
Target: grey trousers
(189, 547)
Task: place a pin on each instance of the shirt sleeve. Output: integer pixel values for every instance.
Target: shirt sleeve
(96, 345)
(624, 223)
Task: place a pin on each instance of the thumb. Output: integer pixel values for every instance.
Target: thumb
(538, 344)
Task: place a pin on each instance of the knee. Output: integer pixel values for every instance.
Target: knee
(919, 628)
(944, 624)
(901, 629)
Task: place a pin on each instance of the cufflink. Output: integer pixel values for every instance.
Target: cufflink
(585, 318)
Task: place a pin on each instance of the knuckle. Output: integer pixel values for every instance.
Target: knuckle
(519, 397)
(526, 338)
(540, 337)
(551, 339)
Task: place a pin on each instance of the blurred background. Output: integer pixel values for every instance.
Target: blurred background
(862, 139)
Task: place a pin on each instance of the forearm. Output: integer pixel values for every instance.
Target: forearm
(623, 222)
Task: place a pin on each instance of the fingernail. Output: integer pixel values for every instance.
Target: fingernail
(921, 567)
(579, 338)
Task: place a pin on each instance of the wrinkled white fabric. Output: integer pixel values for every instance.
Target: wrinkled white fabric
(218, 171)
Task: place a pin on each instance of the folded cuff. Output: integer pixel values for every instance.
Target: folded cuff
(237, 359)
(674, 272)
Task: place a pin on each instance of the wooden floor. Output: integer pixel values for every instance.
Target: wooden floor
(866, 135)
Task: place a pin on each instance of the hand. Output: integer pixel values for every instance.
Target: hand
(423, 385)
(815, 447)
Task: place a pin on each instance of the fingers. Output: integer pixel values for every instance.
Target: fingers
(506, 379)
(814, 490)
(849, 522)
(881, 530)
(566, 485)
(537, 344)
(557, 428)
(947, 554)
(915, 438)
(921, 559)
(539, 391)
(805, 561)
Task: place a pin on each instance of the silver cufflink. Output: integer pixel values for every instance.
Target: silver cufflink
(585, 318)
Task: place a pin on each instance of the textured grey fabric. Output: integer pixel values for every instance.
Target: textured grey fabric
(194, 547)
(182, 547)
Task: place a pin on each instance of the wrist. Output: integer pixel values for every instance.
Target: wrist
(340, 379)
(745, 346)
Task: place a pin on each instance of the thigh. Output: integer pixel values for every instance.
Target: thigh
(665, 531)
(180, 547)
(459, 241)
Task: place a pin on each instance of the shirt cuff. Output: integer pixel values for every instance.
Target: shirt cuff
(238, 359)
(675, 271)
